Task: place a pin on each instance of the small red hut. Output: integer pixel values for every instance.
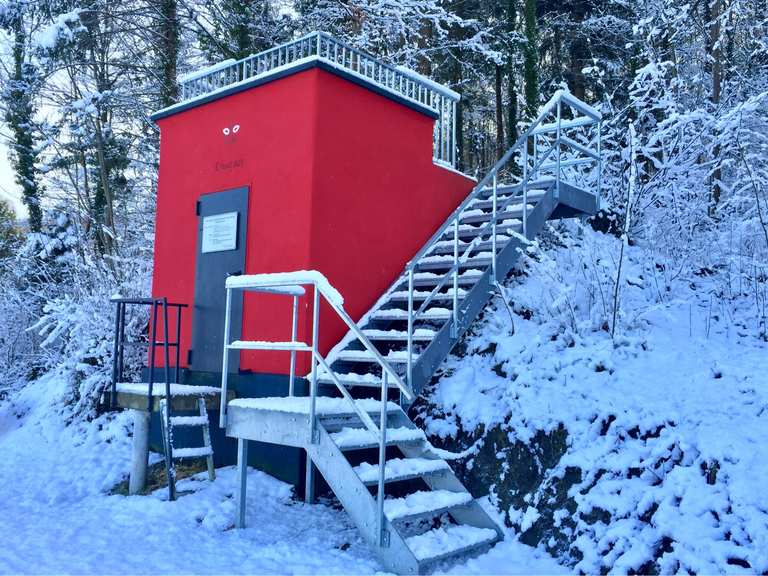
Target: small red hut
(309, 165)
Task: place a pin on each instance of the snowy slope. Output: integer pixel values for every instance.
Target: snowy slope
(58, 519)
(666, 457)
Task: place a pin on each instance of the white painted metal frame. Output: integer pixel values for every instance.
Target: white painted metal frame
(295, 289)
(321, 46)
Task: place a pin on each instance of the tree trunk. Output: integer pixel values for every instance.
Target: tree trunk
(531, 61)
(169, 51)
(499, 87)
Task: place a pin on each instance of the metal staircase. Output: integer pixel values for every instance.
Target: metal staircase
(397, 488)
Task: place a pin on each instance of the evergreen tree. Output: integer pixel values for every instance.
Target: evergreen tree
(19, 98)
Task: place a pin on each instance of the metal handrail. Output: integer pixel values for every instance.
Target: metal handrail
(403, 83)
(538, 131)
(321, 288)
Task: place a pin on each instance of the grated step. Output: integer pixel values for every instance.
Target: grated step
(424, 504)
(352, 380)
(428, 314)
(268, 345)
(398, 469)
(348, 439)
(447, 541)
(478, 216)
(419, 335)
(430, 279)
(393, 357)
(189, 421)
(421, 295)
(197, 452)
(487, 204)
(485, 245)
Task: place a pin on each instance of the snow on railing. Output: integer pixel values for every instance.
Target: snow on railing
(319, 46)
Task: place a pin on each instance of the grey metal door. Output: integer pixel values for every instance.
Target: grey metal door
(221, 236)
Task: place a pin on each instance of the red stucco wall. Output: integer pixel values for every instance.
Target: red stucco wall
(341, 180)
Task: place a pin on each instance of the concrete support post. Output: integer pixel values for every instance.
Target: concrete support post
(140, 459)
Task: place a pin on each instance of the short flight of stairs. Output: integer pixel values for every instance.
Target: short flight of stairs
(429, 515)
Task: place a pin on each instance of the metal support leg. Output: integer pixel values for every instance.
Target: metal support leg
(140, 458)
(242, 477)
(309, 482)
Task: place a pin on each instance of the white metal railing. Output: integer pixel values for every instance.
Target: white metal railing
(320, 46)
(292, 284)
(553, 148)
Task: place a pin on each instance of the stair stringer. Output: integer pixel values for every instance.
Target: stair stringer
(360, 504)
(431, 357)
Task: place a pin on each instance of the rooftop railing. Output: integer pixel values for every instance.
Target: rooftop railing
(320, 46)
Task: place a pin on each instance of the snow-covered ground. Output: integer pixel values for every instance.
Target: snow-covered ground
(58, 518)
(668, 422)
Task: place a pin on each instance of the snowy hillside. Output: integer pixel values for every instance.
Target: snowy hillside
(639, 454)
(645, 453)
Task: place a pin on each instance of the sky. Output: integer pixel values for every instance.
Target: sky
(9, 190)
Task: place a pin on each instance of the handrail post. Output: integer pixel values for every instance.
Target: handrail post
(453, 135)
(152, 336)
(599, 162)
(493, 226)
(382, 460)
(410, 328)
(456, 276)
(315, 354)
(225, 362)
(557, 143)
(294, 326)
(525, 189)
(115, 353)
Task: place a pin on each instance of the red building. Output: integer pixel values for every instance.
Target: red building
(310, 167)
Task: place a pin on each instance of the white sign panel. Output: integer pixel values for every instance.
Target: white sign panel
(219, 232)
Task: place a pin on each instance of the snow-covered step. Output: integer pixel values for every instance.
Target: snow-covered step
(424, 503)
(352, 380)
(446, 541)
(348, 438)
(470, 231)
(430, 279)
(196, 452)
(158, 389)
(267, 345)
(419, 335)
(516, 189)
(324, 405)
(445, 261)
(481, 246)
(393, 356)
(398, 469)
(514, 211)
(421, 295)
(435, 313)
(487, 204)
(189, 421)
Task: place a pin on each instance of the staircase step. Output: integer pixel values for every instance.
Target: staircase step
(430, 279)
(398, 469)
(487, 204)
(445, 261)
(477, 216)
(267, 345)
(348, 439)
(447, 541)
(189, 421)
(421, 295)
(196, 452)
(393, 357)
(516, 189)
(446, 247)
(470, 231)
(419, 335)
(424, 504)
(324, 405)
(428, 314)
(352, 380)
